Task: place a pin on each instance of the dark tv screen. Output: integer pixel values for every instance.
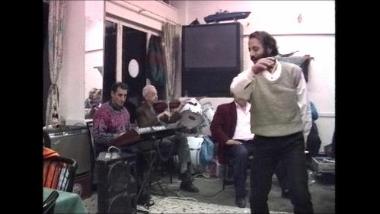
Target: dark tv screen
(211, 46)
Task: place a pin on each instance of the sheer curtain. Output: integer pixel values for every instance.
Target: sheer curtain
(55, 35)
(172, 51)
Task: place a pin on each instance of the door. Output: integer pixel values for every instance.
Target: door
(109, 72)
(133, 67)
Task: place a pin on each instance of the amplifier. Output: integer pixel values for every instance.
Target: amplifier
(72, 142)
(117, 187)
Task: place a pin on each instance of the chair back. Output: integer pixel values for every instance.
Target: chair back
(49, 203)
(94, 154)
(46, 139)
(90, 125)
(96, 148)
(59, 173)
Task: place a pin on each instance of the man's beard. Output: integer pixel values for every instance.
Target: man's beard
(255, 59)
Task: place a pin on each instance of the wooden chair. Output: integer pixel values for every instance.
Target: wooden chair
(59, 173)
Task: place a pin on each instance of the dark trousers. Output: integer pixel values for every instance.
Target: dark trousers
(313, 143)
(239, 154)
(268, 152)
(176, 145)
(281, 175)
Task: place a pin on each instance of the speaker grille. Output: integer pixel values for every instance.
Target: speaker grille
(117, 186)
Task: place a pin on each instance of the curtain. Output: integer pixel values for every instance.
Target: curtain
(172, 51)
(155, 69)
(55, 52)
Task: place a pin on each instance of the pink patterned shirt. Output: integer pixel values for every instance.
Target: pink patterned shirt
(109, 121)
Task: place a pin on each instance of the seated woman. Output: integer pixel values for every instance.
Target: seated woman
(88, 102)
(93, 102)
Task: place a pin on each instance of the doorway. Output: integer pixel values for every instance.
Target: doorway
(109, 72)
(133, 67)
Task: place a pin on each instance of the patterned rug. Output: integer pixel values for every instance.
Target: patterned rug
(190, 205)
(180, 205)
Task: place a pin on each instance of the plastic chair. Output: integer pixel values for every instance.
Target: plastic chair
(49, 203)
(59, 173)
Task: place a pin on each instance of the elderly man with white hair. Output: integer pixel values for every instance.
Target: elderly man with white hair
(147, 116)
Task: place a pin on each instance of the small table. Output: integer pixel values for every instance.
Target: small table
(67, 202)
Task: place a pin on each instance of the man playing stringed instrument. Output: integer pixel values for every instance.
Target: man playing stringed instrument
(148, 117)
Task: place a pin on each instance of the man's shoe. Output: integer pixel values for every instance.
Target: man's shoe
(188, 186)
(145, 200)
(148, 203)
(241, 202)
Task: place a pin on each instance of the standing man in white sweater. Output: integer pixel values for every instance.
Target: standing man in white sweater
(280, 119)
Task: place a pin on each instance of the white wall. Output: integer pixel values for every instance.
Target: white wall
(94, 42)
(93, 78)
(275, 17)
(94, 13)
(71, 81)
(297, 26)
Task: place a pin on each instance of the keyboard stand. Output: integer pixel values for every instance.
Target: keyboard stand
(151, 159)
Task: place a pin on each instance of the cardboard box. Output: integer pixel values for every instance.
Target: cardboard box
(323, 164)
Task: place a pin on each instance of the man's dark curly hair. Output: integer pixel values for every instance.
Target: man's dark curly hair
(119, 85)
(268, 42)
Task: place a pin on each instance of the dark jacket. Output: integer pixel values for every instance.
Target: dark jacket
(146, 116)
(223, 127)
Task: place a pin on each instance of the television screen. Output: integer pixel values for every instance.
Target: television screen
(211, 57)
(211, 46)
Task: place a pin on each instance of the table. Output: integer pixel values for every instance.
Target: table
(67, 202)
